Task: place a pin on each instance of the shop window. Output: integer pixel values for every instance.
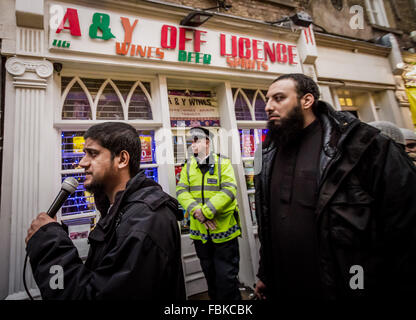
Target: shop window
(105, 99)
(79, 208)
(249, 104)
(259, 106)
(139, 106)
(376, 12)
(190, 108)
(77, 104)
(347, 100)
(109, 105)
(241, 105)
(250, 140)
(93, 86)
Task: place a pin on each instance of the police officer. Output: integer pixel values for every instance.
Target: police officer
(207, 190)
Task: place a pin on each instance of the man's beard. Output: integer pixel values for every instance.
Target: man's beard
(290, 128)
(95, 187)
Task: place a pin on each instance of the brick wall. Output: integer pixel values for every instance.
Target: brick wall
(399, 12)
(259, 10)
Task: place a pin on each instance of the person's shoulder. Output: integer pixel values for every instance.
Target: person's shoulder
(147, 215)
(223, 158)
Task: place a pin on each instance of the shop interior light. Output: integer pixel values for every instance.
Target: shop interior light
(200, 16)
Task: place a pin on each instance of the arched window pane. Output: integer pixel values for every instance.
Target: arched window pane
(242, 111)
(124, 87)
(76, 105)
(93, 85)
(146, 85)
(109, 106)
(64, 83)
(250, 94)
(139, 107)
(259, 111)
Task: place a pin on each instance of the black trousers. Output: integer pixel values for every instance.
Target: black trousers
(220, 264)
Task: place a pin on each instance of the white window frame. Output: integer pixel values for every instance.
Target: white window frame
(82, 125)
(251, 106)
(377, 12)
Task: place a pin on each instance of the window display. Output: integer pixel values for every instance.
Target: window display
(79, 208)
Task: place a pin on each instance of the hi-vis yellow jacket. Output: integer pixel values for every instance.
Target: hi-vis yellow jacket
(215, 194)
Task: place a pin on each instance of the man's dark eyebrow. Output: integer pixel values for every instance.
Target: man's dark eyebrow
(90, 150)
(276, 93)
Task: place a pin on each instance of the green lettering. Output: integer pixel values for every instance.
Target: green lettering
(182, 55)
(101, 21)
(207, 59)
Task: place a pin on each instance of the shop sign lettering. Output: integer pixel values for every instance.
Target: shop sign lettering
(234, 51)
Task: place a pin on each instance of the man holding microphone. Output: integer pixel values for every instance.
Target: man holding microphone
(135, 250)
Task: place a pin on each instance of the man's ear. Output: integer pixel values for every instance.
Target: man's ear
(124, 159)
(307, 101)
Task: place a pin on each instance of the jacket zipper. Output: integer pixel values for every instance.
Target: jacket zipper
(202, 192)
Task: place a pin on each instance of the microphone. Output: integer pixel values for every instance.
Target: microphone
(68, 187)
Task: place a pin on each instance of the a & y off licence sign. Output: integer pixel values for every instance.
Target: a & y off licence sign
(96, 31)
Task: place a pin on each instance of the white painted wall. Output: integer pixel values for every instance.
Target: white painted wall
(346, 65)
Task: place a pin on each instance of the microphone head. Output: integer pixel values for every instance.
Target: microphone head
(70, 184)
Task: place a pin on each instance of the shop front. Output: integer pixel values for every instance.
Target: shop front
(91, 64)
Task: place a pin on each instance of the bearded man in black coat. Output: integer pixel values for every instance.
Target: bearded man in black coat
(335, 202)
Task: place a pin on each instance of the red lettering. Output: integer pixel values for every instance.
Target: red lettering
(292, 55)
(233, 46)
(128, 28)
(281, 53)
(198, 41)
(72, 16)
(269, 53)
(244, 43)
(164, 37)
(256, 50)
(183, 38)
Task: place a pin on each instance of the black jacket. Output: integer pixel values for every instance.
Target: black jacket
(135, 250)
(365, 213)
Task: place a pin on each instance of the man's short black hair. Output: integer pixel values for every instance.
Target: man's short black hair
(304, 85)
(116, 137)
(201, 130)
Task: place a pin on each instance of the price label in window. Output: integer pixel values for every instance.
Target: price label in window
(78, 143)
(147, 155)
(248, 144)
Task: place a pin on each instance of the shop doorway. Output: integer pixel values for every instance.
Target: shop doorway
(190, 108)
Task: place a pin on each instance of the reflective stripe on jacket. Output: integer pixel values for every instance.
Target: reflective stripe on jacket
(215, 194)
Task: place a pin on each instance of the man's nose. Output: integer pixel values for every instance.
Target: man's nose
(268, 106)
(83, 163)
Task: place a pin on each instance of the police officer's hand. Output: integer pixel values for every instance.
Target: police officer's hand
(199, 216)
(210, 224)
(260, 290)
(40, 221)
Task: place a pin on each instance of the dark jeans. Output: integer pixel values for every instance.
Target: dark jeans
(220, 264)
